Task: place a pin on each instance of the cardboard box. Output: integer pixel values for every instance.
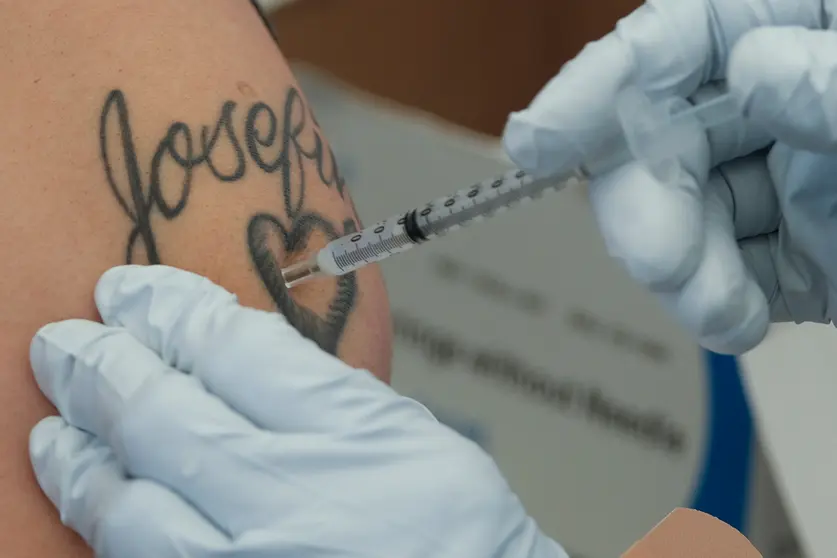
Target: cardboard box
(522, 334)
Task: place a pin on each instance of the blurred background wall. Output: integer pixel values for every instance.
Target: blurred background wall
(468, 61)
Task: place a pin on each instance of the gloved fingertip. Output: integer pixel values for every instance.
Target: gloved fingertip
(746, 62)
(48, 359)
(532, 149)
(755, 76)
(77, 473)
(43, 436)
(38, 346)
(53, 352)
(664, 270)
(53, 447)
(117, 282)
(42, 440)
(785, 79)
(738, 342)
(518, 144)
(750, 323)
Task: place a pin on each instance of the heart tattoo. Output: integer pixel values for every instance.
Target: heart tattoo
(266, 231)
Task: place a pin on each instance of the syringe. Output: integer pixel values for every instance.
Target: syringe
(653, 133)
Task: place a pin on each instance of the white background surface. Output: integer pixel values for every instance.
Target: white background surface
(792, 381)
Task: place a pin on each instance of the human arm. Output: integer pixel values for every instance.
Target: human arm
(93, 92)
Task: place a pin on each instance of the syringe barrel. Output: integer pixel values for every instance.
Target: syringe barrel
(401, 232)
(483, 200)
(372, 244)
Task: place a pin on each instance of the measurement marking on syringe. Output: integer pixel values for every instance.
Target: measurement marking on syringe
(372, 251)
(434, 219)
(385, 244)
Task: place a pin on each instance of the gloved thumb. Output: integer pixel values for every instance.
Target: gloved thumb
(786, 78)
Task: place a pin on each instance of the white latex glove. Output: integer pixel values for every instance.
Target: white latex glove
(194, 427)
(749, 234)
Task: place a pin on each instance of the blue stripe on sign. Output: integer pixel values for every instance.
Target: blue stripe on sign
(723, 487)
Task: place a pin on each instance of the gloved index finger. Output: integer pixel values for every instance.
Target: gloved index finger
(91, 372)
(667, 47)
(255, 361)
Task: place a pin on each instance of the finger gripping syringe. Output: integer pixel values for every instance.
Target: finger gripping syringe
(653, 133)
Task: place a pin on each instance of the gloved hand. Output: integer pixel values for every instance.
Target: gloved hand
(194, 427)
(748, 235)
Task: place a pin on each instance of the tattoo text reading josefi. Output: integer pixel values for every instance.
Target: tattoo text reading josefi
(271, 144)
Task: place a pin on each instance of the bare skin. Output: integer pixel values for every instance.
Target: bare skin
(154, 131)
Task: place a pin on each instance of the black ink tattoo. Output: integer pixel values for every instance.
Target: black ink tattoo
(264, 231)
(280, 146)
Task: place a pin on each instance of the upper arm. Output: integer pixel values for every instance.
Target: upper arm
(157, 132)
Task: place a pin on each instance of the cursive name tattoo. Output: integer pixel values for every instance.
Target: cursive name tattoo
(287, 145)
